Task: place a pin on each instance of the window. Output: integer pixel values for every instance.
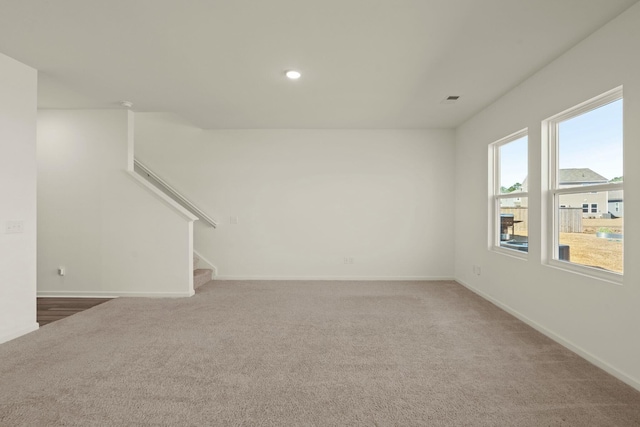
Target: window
(586, 172)
(509, 201)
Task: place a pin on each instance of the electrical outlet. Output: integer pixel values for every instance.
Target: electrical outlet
(233, 220)
(14, 227)
(348, 260)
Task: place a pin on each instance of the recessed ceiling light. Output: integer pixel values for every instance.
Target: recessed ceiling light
(293, 74)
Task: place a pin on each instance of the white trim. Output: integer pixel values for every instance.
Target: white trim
(550, 228)
(131, 126)
(522, 255)
(594, 103)
(494, 187)
(340, 278)
(585, 270)
(586, 189)
(514, 195)
(193, 208)
(512, 137)
(190, 284)
(495, 147)
(16, 333)
(162, 197)
(143, 182)
(208, 264)
(557, 338)
(113, 294)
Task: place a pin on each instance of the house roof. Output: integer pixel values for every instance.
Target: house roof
(573, 176)
(580, 175)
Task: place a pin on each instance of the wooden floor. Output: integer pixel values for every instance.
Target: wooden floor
(52, 309)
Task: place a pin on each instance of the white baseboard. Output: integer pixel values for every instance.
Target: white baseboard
(557, 338)
(113, 294)
(341, 278)
(13, 334)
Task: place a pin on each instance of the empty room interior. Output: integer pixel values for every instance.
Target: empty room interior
(408, 212)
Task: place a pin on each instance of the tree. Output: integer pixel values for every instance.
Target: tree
(515, 187)
(616, 179)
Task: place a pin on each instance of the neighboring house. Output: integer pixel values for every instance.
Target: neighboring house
(616, 203)
(516, 202)
(593, 204)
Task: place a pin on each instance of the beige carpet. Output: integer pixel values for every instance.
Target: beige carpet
(304, 354)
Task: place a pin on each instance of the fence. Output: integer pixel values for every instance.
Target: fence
(519, 214)
(570, 220)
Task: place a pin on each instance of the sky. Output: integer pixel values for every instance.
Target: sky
(513, 162)
(592, 140)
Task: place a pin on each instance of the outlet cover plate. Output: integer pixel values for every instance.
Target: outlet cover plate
(14, 227)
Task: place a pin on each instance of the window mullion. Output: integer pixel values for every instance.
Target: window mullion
(511, 195)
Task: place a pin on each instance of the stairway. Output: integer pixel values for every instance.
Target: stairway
(200, 275)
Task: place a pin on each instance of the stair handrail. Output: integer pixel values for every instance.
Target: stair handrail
(193, 208)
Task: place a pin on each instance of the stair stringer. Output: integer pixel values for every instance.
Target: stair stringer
(204, 263)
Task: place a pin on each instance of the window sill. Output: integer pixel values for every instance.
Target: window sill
(513, 253)
(590, 272)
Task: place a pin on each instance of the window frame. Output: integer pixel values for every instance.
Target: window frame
(495, 196)
(554, 191)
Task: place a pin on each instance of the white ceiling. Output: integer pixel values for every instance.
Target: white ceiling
(364, 63)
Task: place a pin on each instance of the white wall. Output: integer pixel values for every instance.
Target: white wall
(306, 199)
(18, 88)
(112, 235)
(598, 319)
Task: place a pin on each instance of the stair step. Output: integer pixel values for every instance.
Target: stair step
(201, 276)
(196, 260)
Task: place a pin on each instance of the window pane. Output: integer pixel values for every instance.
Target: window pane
(590, 147)
(513, 224)
(593, 239)
(513, 165)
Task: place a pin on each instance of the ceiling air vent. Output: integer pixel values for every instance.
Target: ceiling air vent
(451, 99)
